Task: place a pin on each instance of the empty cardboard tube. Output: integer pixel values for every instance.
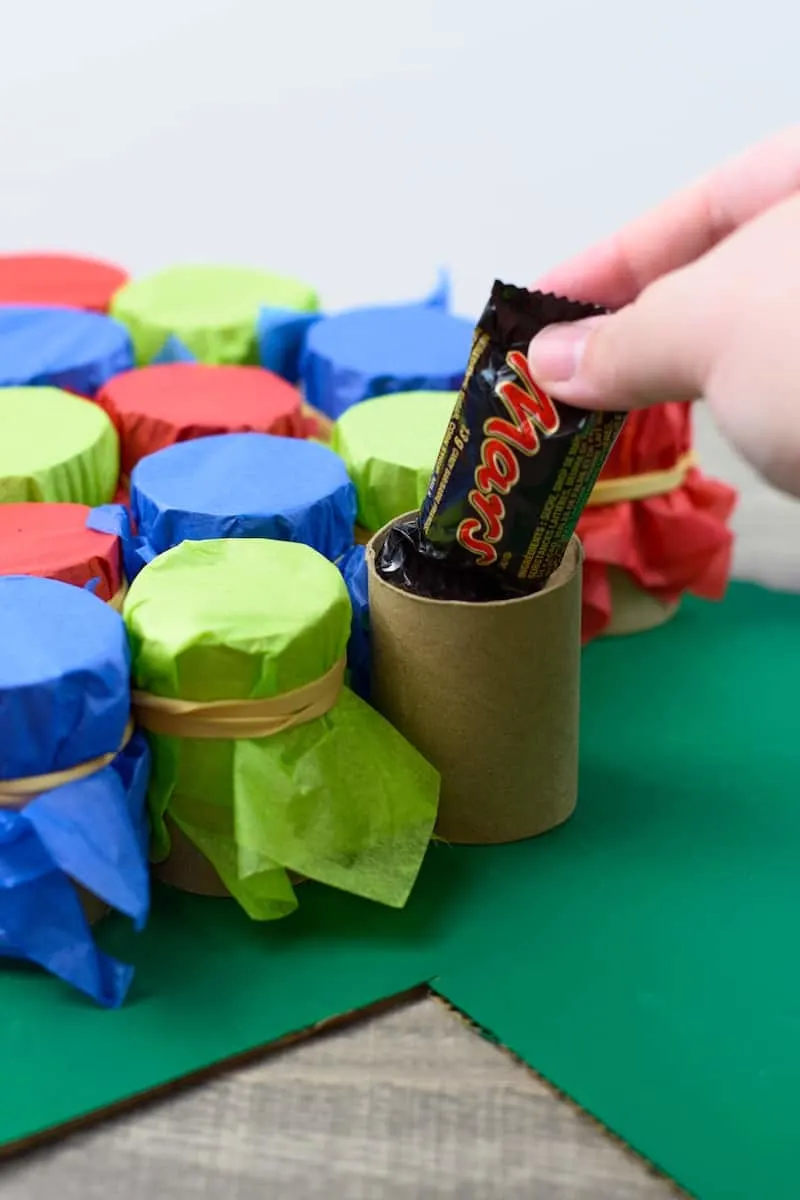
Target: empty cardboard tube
(489, 694)
(634, 610)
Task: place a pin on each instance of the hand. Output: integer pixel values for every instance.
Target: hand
(707, 289)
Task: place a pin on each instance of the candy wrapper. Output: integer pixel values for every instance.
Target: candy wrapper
(211, 311)
(55, 447)
(160, 406)
(61, 348)
(59, 279)
(263, 760)
(389, 445)
(52, 541)
(514, 470)
(73, 778)
(238, 485)
(655, 527)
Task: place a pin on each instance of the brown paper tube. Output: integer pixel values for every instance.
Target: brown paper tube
(489, 694)
(186, 869)
(633, 610)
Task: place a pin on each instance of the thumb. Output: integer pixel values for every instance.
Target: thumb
(659, 347)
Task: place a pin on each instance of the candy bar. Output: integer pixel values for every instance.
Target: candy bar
(514, 471)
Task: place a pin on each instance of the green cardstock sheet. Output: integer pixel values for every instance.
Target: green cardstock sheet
(643, 957)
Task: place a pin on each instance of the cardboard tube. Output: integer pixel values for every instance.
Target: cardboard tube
(633, 610)
(186, 869)
(489, 694)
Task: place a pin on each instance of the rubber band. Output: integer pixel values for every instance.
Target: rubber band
(234, 719)
(641, 487)
(16, 793)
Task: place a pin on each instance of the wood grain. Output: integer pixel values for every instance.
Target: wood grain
(410, 1105)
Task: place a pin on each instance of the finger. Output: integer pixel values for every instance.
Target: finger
(679, 231)
(661, 345)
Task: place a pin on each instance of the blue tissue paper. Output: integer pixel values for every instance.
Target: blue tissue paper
(65, 700)
(173, 351)
(353, 569)
(280, 336)
(64, 677)
(374, 351)
(281, 333)
(442, 294)
(61, 347)
(234, 485)
(116, 519)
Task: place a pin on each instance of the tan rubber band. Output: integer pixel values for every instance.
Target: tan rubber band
(15, 793)
(641, 487)
(233, 719)
(118, 599)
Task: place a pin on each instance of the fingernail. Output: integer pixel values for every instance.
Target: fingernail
(555, 354)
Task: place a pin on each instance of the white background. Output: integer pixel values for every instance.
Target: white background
(360, 143)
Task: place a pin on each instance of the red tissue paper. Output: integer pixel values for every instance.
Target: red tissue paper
(61, 279)
(673, 540)
(52, 541)
(160, 405)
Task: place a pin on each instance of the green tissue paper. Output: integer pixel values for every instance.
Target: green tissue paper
(344, 799)
(389, 446)
(55, 447)
(211, 310)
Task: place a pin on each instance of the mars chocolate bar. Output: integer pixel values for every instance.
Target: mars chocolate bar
(514, 471)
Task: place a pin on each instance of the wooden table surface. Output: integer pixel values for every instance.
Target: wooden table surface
(411, 1104)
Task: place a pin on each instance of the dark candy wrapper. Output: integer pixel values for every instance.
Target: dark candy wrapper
(514, 472)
